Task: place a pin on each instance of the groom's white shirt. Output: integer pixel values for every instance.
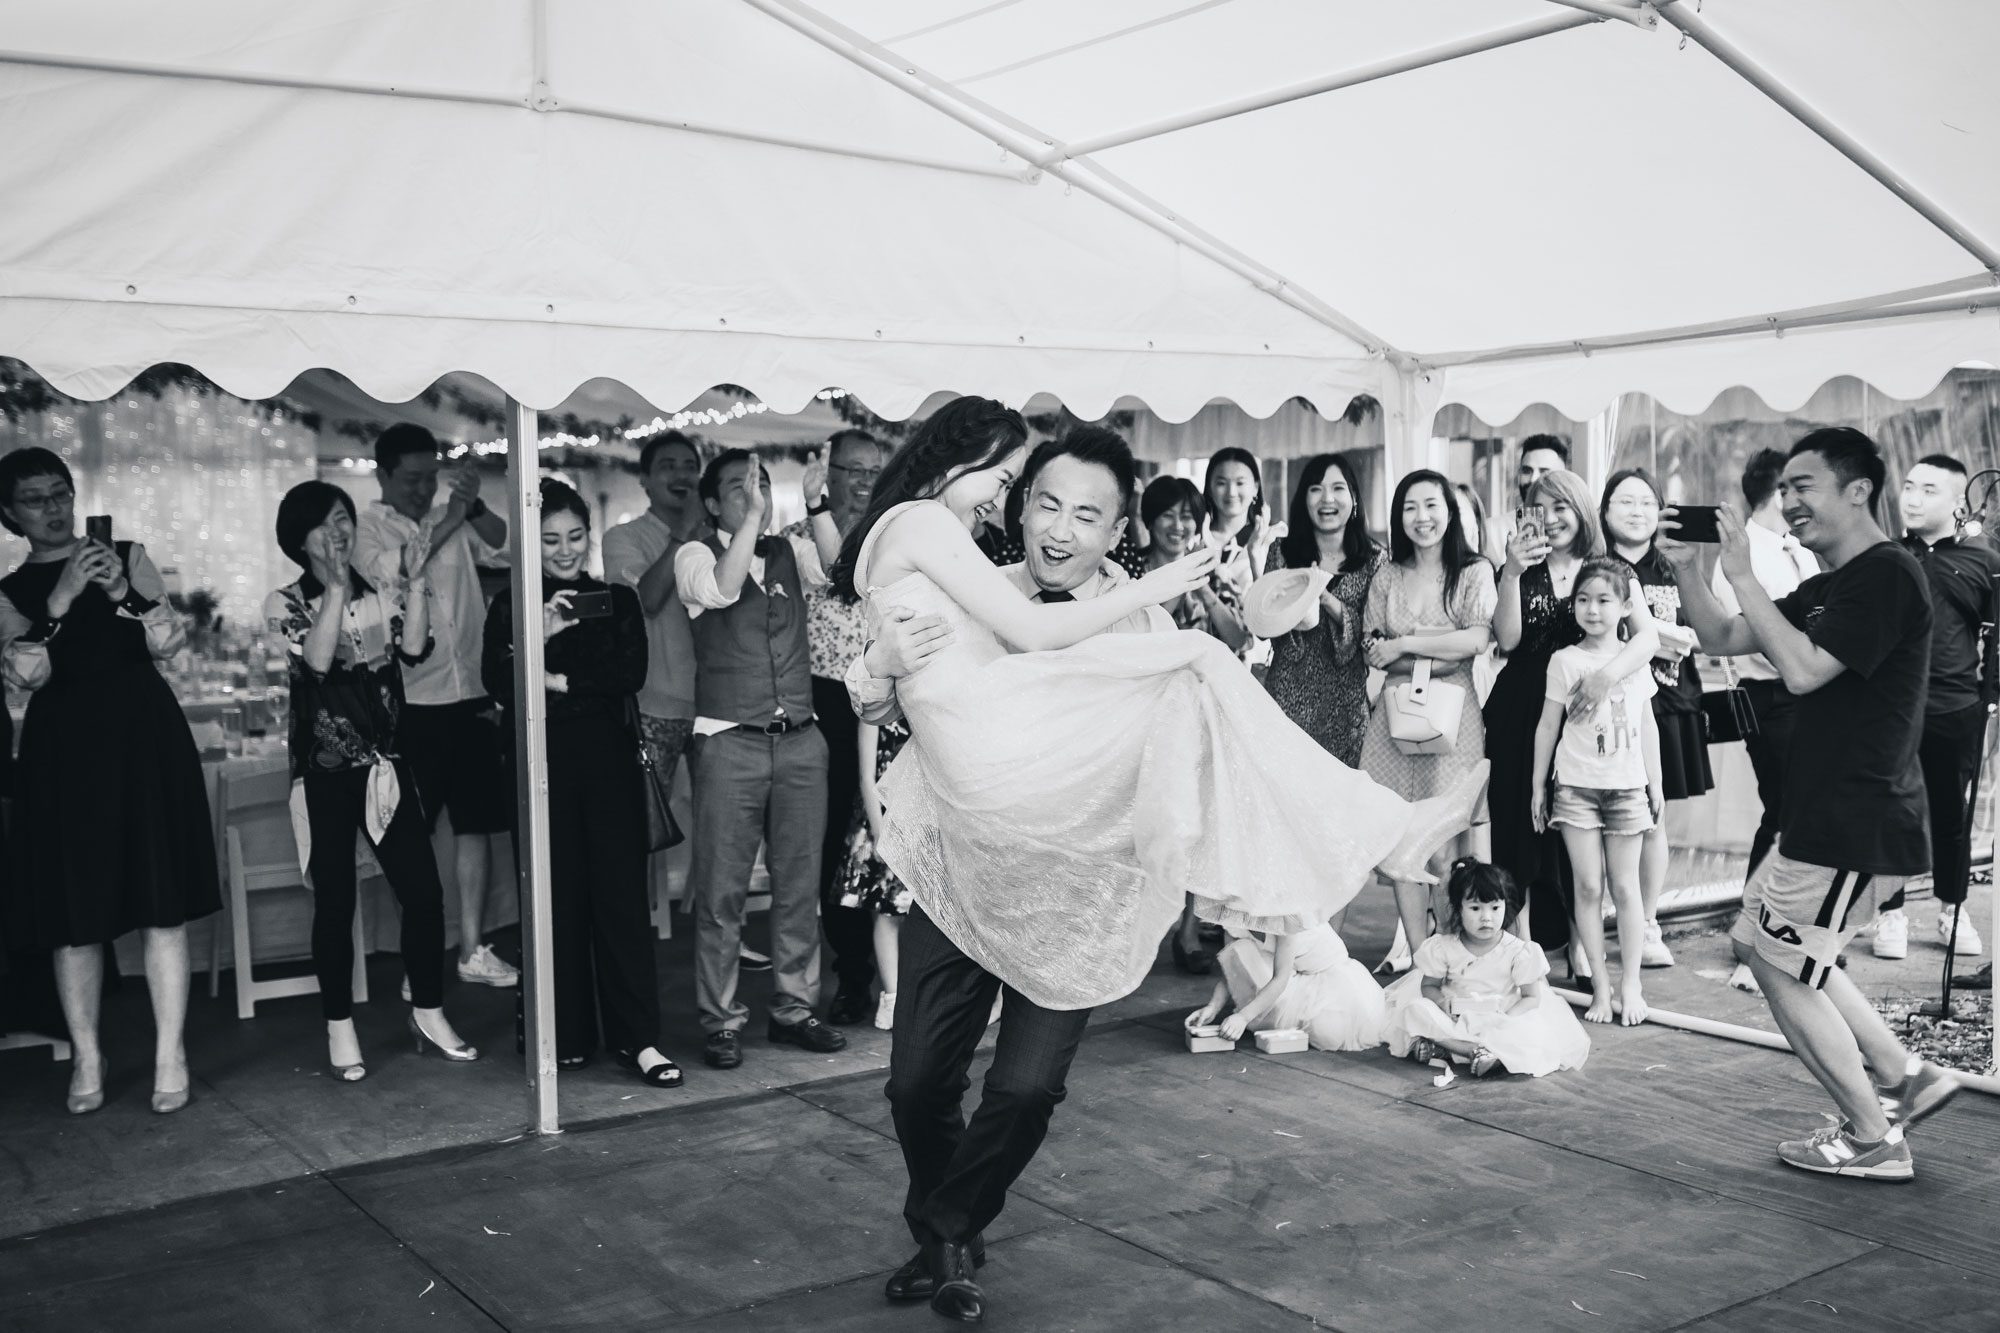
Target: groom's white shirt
(874, 698)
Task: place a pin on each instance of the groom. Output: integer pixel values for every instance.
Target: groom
(1077, 490)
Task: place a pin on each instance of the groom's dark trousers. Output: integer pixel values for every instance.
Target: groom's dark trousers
(959, 1172)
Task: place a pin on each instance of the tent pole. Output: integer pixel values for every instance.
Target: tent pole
(531, 752)
(1678, 13)
(1381, 69)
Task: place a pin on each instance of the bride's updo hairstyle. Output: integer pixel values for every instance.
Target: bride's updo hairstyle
(965, 435)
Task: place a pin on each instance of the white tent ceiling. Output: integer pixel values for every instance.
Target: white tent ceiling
(901, 196)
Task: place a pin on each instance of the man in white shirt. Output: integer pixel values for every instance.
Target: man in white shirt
(449, 733)
(640, 554)
(1074, 513)
(758, 760)
(1780, 564)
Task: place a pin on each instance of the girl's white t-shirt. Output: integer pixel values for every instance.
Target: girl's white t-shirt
(1602, 748)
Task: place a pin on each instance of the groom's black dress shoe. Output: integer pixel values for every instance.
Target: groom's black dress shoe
(914, 1280)
(849, 1008)
(958, 1295)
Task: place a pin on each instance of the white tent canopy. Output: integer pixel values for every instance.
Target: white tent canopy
(899, 196)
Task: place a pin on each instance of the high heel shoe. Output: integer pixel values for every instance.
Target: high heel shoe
(353, 1073)
(166, 1101)
(87, 1102)
(464, 1053)
(1433, 822)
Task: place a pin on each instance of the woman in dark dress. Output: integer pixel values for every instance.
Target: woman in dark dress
(346, 644)
(1535, 618)
(1318, 676)
(112, 828)
(593, 666)
(1631, 516)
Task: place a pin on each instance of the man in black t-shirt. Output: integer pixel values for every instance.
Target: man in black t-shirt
(1853, 645)
(1961, 571)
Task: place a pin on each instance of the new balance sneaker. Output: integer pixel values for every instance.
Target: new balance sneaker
(1921, 1094)
(1835, 1152)
(1892, 934)
(1969, 943)
(1655, 953)
(488, 969)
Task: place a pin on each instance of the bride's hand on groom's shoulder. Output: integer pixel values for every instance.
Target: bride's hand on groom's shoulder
(1180, 576)
(904, 642)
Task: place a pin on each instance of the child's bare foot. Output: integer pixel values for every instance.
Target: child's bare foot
(1632, 1003)
(1600, 1010)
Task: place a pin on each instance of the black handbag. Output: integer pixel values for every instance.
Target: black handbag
(1726, 713)
(662, 829)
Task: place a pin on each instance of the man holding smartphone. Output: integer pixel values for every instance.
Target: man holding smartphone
(1854, 646)
(448, 732)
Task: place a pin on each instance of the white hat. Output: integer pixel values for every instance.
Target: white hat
(1284, 600)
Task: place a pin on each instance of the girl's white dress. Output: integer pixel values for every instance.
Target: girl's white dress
(1051, 810)
(1336, 1001)
(1479, 989)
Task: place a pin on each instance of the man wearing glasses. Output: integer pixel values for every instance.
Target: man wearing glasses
(836, 632)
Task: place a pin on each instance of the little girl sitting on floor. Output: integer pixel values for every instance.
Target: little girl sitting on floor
(1304, 981)
(1476, 991)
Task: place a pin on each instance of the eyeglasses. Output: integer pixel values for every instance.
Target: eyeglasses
(862, 473)
(46, 504)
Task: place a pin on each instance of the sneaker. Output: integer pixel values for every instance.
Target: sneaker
(885, 1011)
(722, 1050)
(1744, 979)
(1655, 952)
(488, 969)
(749, 960)
(1892, 934)
(1919, 1096)
(807, 1034)
(1835, 1152)
(1969, 943)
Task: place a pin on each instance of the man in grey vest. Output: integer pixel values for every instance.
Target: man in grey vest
(757, 759)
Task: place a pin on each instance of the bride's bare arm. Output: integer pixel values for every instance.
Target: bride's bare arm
(929, 540)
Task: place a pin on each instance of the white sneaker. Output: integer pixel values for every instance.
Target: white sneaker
(1969, 943)
(885, 1011)
(1744, 979)
(1892, 934)
(488, 969)
(1655, 952)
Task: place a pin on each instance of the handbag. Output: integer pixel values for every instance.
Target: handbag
(1726, 713)
(1423, 713)
(662, 830)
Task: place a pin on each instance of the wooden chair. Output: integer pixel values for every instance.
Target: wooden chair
(260, 853)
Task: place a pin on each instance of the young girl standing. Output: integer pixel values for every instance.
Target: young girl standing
(864, 880)
(1607, 790)
(1477, 990)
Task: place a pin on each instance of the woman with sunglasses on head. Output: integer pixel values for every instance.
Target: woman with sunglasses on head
(112, 823)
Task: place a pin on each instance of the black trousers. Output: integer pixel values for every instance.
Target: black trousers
(1775, 707)
(334, 814)
(1948, 752)
(850, 931)
(600, 927)
(959, 1173)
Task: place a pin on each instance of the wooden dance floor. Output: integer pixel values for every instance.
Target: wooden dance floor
(1231, 1192)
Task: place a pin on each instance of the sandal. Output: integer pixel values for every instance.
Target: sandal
(1423, 1050)
(1484, 1062)
(665, 1074)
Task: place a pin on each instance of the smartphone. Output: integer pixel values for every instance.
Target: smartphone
(590, 604)
(1532, 520)
(1696, 523)
(98, 528)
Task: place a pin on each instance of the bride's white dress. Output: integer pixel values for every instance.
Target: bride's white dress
(1051, 809)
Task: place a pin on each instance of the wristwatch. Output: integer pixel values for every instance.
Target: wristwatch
(818, 507)
(477, 508)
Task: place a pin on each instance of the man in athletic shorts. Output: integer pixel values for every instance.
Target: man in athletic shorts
(1853, 644)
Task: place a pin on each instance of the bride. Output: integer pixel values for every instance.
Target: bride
(1062, 789)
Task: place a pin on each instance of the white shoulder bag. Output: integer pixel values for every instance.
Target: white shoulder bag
(1423, 713)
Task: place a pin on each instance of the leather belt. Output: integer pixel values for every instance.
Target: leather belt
(779, 726)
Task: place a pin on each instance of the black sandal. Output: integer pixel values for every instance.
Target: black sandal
(666, 1074)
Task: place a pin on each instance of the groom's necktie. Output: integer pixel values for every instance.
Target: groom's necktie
(1051, 595)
